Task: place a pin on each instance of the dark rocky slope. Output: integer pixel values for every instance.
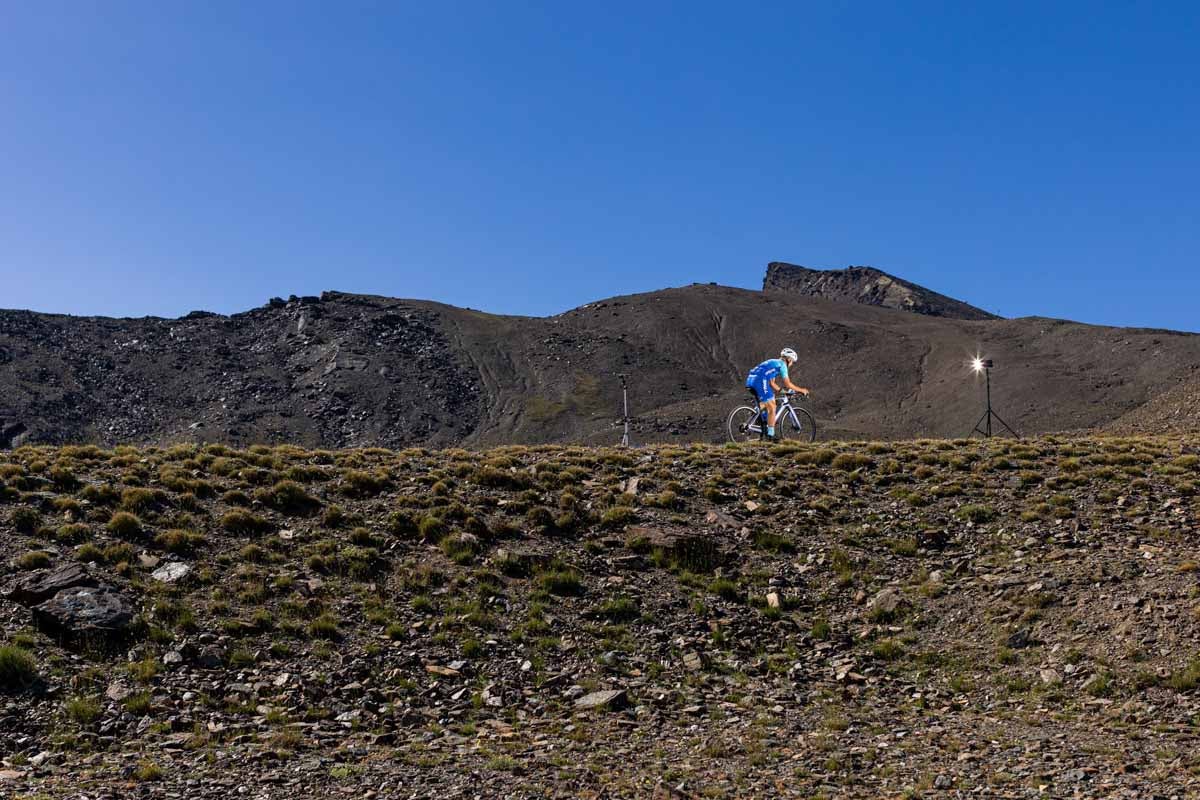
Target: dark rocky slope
(352, 370)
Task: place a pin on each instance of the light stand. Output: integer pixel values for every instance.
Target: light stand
(625, 405)
(984, 426)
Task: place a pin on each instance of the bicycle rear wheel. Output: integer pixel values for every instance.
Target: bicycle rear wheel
(742, 425)
(797, 425)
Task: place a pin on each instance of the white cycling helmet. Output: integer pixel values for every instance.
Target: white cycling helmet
(789, 353)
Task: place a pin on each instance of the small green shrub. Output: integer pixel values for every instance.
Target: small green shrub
(82, 710)
(726, 589)
(18, 670)
(244, 523)
(501, 478)
(618, 517)
(363, 537)
(102, 494)
(324, 627)
(360, 563)
(666, 499)
(89, 553)
(356, 483)
(562, 581)
(289, 497)
(976, 513)
(63, 478)
(178, 541)
(117, 553)
(1100, 685)
(819, 456)
(253, 554)
(35, 559)
(887, 650)
(772, 542)
(619, 609)
(459, 549)
(401, 523)
(848, 462)
(176, 614)
(1186, 679)
(138, 500)
(26, 520)
(72, 533)
(432, 528)
(148, 771)
(138, 703)
(145, 670)
(124, 525)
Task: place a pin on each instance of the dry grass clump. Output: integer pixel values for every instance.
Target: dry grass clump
(848, 462)
(25, 520)
(498, 478)
(35, 559)
(139, 500)
(977, 513)
(362, 484)
(181, 542)
(18, 670)
(124, 525)
(288, 497)
(244, 523)
(561, 580)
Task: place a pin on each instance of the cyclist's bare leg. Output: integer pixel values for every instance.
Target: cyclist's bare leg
(769, 407)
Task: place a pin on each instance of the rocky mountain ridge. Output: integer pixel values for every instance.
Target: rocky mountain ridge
(344, 370)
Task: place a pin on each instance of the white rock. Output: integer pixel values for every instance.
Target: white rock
(169, 573)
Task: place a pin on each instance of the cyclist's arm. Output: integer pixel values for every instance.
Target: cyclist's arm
(788, 382)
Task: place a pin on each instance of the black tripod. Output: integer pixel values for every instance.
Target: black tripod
(625, 418)
(984, 426)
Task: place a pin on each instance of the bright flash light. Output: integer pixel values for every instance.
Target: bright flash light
(977, 364)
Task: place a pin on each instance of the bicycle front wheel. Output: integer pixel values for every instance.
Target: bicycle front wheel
(743, 425)
(797, 425)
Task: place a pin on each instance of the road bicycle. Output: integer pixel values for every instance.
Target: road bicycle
(748, 424)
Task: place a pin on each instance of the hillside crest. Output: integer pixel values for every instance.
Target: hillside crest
(868, 286)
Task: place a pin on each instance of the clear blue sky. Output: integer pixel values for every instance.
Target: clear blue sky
(1031, 158)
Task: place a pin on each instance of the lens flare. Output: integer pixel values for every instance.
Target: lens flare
(977, 364)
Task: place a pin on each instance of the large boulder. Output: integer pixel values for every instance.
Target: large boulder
(610, 698)
(12, 434)
(698, 552)
(93, 613)
(44, 584)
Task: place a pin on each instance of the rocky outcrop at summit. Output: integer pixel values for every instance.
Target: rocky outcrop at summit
(868, 286)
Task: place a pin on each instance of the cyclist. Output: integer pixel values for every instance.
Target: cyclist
(764, 380)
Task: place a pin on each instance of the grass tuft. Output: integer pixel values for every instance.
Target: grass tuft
(18, 670)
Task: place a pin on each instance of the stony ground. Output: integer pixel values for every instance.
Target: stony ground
(918, 619)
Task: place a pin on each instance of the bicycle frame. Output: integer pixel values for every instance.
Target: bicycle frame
(782, 406)
(791, 419)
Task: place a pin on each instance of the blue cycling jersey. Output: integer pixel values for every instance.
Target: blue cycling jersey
(768, 371)
(761, 376)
